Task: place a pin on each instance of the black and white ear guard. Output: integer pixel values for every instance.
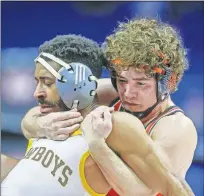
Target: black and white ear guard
(75, 82)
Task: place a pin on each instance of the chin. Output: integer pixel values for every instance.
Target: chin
(135, 108)
(49, 110)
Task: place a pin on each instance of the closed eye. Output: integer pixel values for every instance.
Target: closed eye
(48, 83)
(141, 83)
(121, 80)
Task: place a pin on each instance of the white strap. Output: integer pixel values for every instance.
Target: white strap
(48, 67)
(75, 104)
(76, 75)
(57, 60)
(93, 92)
(92, 78)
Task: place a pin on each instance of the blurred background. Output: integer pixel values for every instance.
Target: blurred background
(26, 25)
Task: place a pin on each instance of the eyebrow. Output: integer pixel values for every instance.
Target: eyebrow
(44, 78)
(137, 79)
(143, 78)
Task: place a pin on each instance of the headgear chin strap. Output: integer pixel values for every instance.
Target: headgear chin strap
(75, 82)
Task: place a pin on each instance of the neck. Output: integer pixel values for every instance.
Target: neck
(90, 108)
(160, 108)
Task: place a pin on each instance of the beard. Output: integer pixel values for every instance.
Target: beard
(58, 103)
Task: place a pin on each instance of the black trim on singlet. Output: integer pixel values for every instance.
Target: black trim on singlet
(169, 108)
(162, 115)
(114, 102)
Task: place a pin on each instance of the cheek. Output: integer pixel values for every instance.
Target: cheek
(53, 94)
(150, 92)
(121, 89)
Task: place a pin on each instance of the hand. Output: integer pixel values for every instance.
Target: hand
(59, 125)
(97, 125)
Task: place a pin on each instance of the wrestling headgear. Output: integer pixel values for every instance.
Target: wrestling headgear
(75, 82)
(165, 81)
(166, 84)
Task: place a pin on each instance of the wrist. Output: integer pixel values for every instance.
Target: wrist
(96, 145)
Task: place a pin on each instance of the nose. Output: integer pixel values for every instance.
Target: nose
(130, 92)
(39, 93)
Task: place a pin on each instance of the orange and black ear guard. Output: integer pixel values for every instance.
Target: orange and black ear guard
(157, 70)
(166, 79)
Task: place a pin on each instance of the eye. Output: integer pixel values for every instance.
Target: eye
(122, 80)
(141, 83)
(48, 83)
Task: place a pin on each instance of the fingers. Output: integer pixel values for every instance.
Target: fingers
(103, 108)
(97, 115)
(68, 130)
(111, 109)
(61, 137)
(107, 115)
(66, 115)
(68, 123)
(100, 112)
(63, 133)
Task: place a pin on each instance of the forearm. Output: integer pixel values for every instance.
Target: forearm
(7, 164)
(29, 124)
(142, 155)
(118, 174)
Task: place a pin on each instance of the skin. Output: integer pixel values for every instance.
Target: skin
(171, 152)
(46, 92)
(131, 136)
(46, 87)
(7, 164)
(137, 92)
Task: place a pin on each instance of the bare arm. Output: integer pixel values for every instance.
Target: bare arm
(120, 177)
(144, 156)
(7, 164)
(106, 92)
(176, 137)
(117, 173)
(148, 161)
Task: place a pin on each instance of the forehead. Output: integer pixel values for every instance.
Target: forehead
(41, 71)
(132, 73)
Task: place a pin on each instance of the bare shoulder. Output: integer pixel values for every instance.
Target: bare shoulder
(176, 126)
(106, 92)
(126, 120)
(126, 128)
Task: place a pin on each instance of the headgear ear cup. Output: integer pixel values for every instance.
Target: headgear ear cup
(79, 88)
(113, 79)
(75, 82)
(165, 84)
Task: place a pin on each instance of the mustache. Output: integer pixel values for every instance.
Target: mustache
(58, 103)
(42, 101)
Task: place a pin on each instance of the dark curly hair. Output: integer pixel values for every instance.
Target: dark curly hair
(76, 48)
